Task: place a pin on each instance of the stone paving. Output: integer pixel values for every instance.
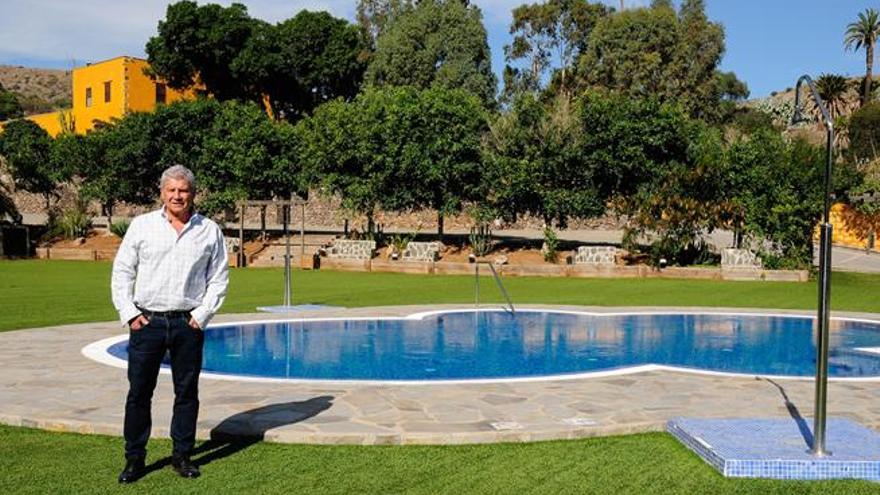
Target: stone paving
(47, 383)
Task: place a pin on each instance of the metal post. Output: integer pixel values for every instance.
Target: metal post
(477, 284)
(302, 235)
(241, 237)
(286, 215)
(823, 316)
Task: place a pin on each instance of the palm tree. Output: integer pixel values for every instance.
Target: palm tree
(832, 89)
(861, 33)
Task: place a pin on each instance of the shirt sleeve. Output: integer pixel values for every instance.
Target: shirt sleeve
(217, 277)
(124, 275)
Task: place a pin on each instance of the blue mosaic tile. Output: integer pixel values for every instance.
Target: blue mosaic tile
(779, 447)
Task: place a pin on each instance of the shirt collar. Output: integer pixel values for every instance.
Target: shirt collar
(194, 219)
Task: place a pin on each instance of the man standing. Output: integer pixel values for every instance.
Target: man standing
(169, 278)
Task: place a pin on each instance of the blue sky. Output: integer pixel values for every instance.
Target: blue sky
(769, 42)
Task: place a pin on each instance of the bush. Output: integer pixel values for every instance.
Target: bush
(551, 245)
(864, 132)
(75, 222)
(481, 240)
(119, 228)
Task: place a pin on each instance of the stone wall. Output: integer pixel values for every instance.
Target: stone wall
(595, 255)
(321, 211)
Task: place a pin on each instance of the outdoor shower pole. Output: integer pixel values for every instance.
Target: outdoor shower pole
(818, 448)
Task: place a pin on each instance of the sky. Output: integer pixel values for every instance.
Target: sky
(770, 43)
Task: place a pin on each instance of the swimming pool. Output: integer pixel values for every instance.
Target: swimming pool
(496, 345)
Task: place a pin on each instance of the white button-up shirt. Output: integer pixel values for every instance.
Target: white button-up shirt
(158, 269)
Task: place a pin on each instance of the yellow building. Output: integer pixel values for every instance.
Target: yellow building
(107, 90)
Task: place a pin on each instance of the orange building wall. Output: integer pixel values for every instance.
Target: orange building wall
(853, 229)
(51, 122)
(141, 90)
(94, 76)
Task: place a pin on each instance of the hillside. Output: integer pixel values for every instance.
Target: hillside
(38, 90)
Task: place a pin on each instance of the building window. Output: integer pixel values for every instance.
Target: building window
(107, 92)
(160, 93)
(88, 97)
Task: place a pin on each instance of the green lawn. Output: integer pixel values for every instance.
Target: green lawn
(80, 291)
(40, 293)
(39, 462)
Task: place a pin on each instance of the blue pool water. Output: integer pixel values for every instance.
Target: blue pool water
(488, 344)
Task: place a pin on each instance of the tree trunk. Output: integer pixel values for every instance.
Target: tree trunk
(869, 70)
(108, 210)
(263, 222)
(440, 226)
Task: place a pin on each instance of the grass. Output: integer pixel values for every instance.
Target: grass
(41, 462)
(41, 293)
(79, 292)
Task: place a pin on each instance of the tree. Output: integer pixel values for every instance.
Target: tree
(26, 148)
(396, 149)
(556, 29)
(120, 162)
(244, 155)
(7, 205)
(863, 33)
(374, 15)
(536, 157)
(832, 89)
(303, 62)
(656, 53)
(437, 43)
(199, 44)
(9, 105)
(451, 126)
(864, 133)
(778, 189)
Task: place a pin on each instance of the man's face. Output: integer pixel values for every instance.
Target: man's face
(177, 196)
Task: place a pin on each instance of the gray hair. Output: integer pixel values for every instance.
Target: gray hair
(178, 172)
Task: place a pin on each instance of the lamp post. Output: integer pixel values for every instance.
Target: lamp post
(818, 448)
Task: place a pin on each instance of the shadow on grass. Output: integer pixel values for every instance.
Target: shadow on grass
(247, 428)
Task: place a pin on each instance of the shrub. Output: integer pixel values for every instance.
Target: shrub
(481, 240)
(119, 228)
(75, 222)
(551, 245)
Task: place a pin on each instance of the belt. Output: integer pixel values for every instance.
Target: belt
(185, 313)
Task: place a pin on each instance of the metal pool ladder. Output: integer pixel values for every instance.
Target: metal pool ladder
(497, 281)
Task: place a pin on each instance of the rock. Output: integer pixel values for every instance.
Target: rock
(500, 260)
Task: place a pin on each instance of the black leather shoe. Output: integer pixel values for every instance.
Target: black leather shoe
(134, 469)
(185, 467)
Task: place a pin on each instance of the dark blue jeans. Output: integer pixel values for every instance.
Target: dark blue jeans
(146, 348)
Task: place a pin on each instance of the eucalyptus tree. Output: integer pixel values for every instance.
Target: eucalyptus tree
(658, 53)
(437, 43)
(555, 30)
(863, 34)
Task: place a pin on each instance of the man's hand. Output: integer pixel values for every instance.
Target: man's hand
(194, 324)
(138, 322)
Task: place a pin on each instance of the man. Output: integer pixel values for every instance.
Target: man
(169, 278)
